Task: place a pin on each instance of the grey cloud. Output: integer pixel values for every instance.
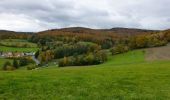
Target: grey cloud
(37, 15)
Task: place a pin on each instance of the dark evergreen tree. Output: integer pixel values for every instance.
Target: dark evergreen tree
(23, 62)
(37, 54)
(15, 63)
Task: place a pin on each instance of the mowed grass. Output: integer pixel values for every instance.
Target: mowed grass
(137, 56)
(123, 77)
(17, 42)
(8, 45)
(15, 49)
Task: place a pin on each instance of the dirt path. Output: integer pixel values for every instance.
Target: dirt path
(159, 53)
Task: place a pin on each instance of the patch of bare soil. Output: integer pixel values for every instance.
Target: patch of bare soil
(159, 53)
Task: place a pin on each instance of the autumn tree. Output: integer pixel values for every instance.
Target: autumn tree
(119, 49)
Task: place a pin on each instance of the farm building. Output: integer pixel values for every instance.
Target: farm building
(15, 54)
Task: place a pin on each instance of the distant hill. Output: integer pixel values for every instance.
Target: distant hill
(124, 31)
(79, 30)
(121, 31)
(131, 30)
(168, 30)
(8, 31)
(4, 34)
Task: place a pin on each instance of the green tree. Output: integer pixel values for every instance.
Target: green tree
(119, 49)
(37, 54)
(15, 63)
(89, 59)
(23, 62)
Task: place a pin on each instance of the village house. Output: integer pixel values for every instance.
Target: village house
(29, 54)
(15, 54)
(7, 54)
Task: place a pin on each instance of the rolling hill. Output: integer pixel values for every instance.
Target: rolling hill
(5, 34)
(126, 76)
(120, 31)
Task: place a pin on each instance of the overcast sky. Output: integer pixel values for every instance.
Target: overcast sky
(38, 15)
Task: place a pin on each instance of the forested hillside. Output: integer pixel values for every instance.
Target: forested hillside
(78, 46)
(83, 46)
(4, 34)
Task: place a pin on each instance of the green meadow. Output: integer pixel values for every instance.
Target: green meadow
(19, 45)
(124, 77)
(16, 49)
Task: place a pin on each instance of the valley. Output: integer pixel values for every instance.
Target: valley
(71, 64)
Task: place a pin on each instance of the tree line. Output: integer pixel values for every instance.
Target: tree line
(138, 42)
(16, 63)
(85, 59)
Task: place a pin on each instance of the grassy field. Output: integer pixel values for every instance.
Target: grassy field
(17, 45)
(124, 77)
(13, 49)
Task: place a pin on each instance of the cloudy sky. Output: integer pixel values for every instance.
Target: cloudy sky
(38, 15)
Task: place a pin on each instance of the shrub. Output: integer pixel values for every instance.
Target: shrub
(100, 57)
(31, 67)
(119, 49)
(64, 62)
(7, 66)
(25, 61)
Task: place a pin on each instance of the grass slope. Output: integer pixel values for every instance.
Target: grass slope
(8, 45)
(127, 58)
(123, 77)
(14, 49)
(14, 42)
